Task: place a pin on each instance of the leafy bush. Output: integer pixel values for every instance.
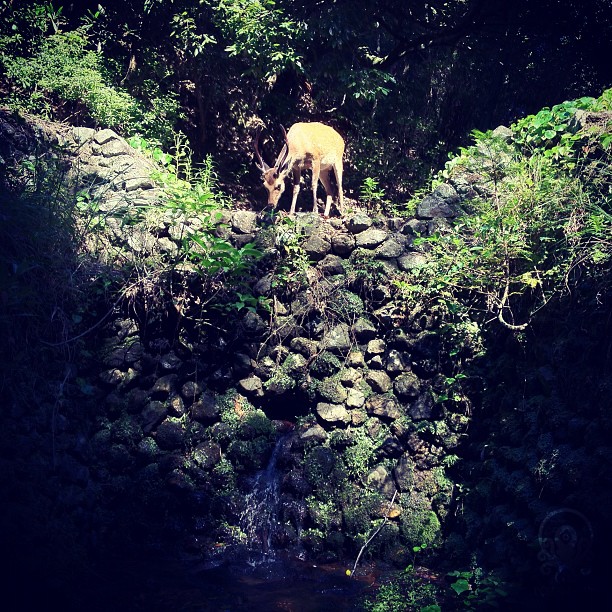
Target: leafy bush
(372, 194)
(63, 67)
(46, 293)
(477, 590)
(543, 215)
(59, 75)
(261, 32)
(192, 201)
(407, 590)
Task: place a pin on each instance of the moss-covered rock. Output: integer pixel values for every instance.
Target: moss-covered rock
(318, 464)
(325, 364)
(419, 524)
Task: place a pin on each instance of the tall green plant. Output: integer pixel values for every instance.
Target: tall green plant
(193, 201)
(263, 33)
(60, 75)
(543, 214)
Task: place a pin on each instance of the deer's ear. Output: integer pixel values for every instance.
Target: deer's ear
(283, 167)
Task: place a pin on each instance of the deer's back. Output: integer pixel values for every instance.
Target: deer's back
(315, 140)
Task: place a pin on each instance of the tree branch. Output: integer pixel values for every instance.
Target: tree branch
(374, 534)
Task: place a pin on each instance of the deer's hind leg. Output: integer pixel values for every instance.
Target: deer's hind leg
(338, 173)
(316, 174)
(329, 190)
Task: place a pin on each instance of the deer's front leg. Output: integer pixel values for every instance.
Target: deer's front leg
(297, 175)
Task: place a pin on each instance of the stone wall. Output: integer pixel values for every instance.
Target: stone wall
(167, 415)
(180, 417)
(334, 358)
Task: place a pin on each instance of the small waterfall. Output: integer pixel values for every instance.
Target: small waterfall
(260, 516)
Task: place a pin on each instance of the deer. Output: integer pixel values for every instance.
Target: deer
(307, 145)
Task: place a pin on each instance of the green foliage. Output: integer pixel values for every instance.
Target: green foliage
(550, 125)
(194, 202)
(419, 524)
(475, 589)
(187, 37)
(59, 75)
(221, 66)
(544, 215)
(407, 590)
(362, 518)
(411, 590)
(326, 364)
(359, 456)
(345, 305)
(319, 463)
(262, 33)
(370, 84)
(224, 476)
(291, 271)
(22, 29)
(247, 432)
(372, 194)
(63, 67)
(324, 513)
(44, 299)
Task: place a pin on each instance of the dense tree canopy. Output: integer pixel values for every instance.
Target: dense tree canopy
(405, 81)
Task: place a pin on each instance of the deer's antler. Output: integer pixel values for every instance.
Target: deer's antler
(262, 164)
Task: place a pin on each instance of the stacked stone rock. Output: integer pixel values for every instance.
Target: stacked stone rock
(350, 373)
(157, 412)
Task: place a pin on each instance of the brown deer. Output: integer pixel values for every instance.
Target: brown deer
(307, 145)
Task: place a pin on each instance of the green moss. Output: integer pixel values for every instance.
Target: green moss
(126, 431)
(365, 389)
(447, 438)
(359, 456)
(419, 524)
(331, 389)
(228, 404)
(318, 464)
(326, 364)
(340, 438)
(360, 506)
(246, 430)
(404, 591)
(313, 540)
(224, 476)
(280, 382)
(323, 514)
(256, 424)
(148, 449)
(249, 455)
(346, 305)
(294, 364)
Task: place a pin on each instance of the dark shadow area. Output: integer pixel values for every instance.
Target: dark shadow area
(536, 470)
(287, 407)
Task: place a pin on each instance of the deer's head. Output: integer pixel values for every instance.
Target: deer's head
(274, 176)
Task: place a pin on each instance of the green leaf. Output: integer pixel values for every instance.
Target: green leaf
(461, 586)
(606, 140)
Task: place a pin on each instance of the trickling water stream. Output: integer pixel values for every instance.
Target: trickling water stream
(260, 516)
